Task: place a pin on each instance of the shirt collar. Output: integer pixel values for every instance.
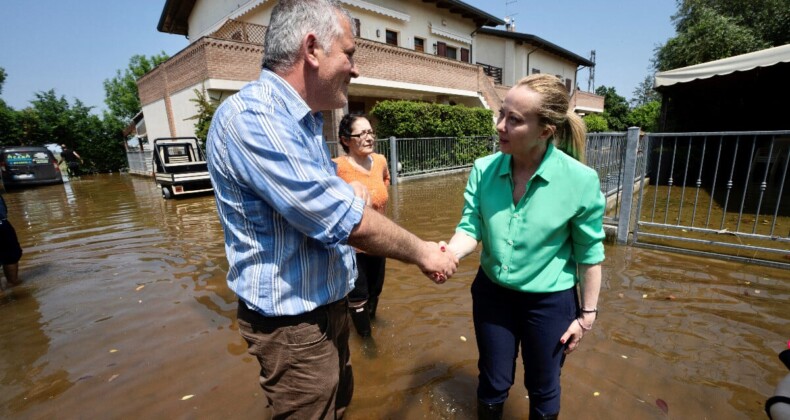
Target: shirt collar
(294, 104)
(545, 170)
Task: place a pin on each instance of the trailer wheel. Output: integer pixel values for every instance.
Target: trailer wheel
(166, 194)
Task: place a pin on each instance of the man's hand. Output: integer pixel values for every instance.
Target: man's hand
(437, 264)
(361, 191)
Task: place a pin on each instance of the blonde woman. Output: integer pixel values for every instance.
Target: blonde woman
(538, 212)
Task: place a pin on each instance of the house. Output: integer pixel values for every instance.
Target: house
(425, 50)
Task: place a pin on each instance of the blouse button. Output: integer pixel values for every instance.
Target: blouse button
(504, 267)
(510, 242)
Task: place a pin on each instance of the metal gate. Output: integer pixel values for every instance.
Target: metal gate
(717, 194)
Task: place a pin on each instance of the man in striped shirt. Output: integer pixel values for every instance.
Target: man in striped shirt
(290, 223)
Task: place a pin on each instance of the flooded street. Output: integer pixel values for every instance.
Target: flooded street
(124, 312)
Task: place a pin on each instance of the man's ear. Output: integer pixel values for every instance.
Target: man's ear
(310, 49)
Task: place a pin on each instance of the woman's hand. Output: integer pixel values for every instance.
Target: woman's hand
(573, 335)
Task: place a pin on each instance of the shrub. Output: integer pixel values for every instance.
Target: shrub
(407, 119)
(595, 123)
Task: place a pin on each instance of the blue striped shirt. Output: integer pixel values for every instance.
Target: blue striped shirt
(285, 213)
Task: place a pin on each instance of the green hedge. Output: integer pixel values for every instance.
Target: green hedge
(407, 119)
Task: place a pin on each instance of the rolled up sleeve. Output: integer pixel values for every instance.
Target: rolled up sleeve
(587, 231)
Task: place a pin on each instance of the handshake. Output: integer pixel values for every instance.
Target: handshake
(439, 263)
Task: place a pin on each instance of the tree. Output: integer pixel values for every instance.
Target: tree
(121, 94)
(2, 79)
(595, 123)
(645, 116)
(10, 131)
(206, 108)
(713, 29)
(615, 108)
(644, 93)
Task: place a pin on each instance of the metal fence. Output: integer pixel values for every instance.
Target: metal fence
(410, 157)
(607, 154)
(721, 193)
(140, 162)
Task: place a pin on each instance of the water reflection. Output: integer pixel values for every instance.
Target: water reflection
(124, 311)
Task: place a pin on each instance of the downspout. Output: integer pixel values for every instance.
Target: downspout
(576, 76)
(472, 45)
(528, 54)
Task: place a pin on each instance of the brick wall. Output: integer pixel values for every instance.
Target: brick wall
(211, 58)
(586, 100)
(205, 59)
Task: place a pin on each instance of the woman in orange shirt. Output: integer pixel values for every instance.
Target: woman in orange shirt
(363, 165)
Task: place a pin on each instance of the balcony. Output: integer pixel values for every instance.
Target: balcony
(493, 72)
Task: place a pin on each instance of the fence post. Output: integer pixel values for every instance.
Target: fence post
(629, 176)
(393, 160)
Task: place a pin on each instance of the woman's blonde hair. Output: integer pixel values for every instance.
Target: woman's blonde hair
(570, 134)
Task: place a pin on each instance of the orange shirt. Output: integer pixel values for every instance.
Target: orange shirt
(376, 180)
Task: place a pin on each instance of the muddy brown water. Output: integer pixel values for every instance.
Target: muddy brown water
(124, 313)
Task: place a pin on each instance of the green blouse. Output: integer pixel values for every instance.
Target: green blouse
(535, 245)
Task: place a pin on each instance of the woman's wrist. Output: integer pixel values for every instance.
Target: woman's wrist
(588, 318)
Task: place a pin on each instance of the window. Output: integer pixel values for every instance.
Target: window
(443, 50)
(419, 44)
(357, 25)
(569, 85)
(465, 55)
(535, 71)
(392, 37)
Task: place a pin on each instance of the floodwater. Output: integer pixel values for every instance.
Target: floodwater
(124, 313)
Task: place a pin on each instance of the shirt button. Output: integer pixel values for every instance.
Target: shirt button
(510, 242)
(515, 216)
(504, 267)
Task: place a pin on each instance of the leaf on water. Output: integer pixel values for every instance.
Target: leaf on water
(463, 338)
(112, 378)
(644, 296)
(85, 377)
(756, 291)
(623, 356)
(186, 397)
(139, 287)
(671, 297)
(113, 350)
(596, 393)
(662, 405)
(620, 295)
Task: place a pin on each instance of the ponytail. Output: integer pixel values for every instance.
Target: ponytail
(571, 136)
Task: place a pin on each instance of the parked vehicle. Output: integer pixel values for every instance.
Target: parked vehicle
(180, 166)
(23, 166)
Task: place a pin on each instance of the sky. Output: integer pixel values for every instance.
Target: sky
(72, 46)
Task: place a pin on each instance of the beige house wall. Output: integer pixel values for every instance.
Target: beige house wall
(517, 61)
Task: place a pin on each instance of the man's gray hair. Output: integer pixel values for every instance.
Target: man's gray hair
(292, 20)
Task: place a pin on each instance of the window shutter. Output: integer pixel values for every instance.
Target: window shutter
(441, 49)
(464, 55)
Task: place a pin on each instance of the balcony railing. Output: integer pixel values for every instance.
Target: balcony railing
(234, 30)
(491, 71)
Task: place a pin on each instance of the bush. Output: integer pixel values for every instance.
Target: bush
(645, 116)
(407, 119)
(595, 123)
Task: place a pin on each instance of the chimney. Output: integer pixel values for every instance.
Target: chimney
(510, 24)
